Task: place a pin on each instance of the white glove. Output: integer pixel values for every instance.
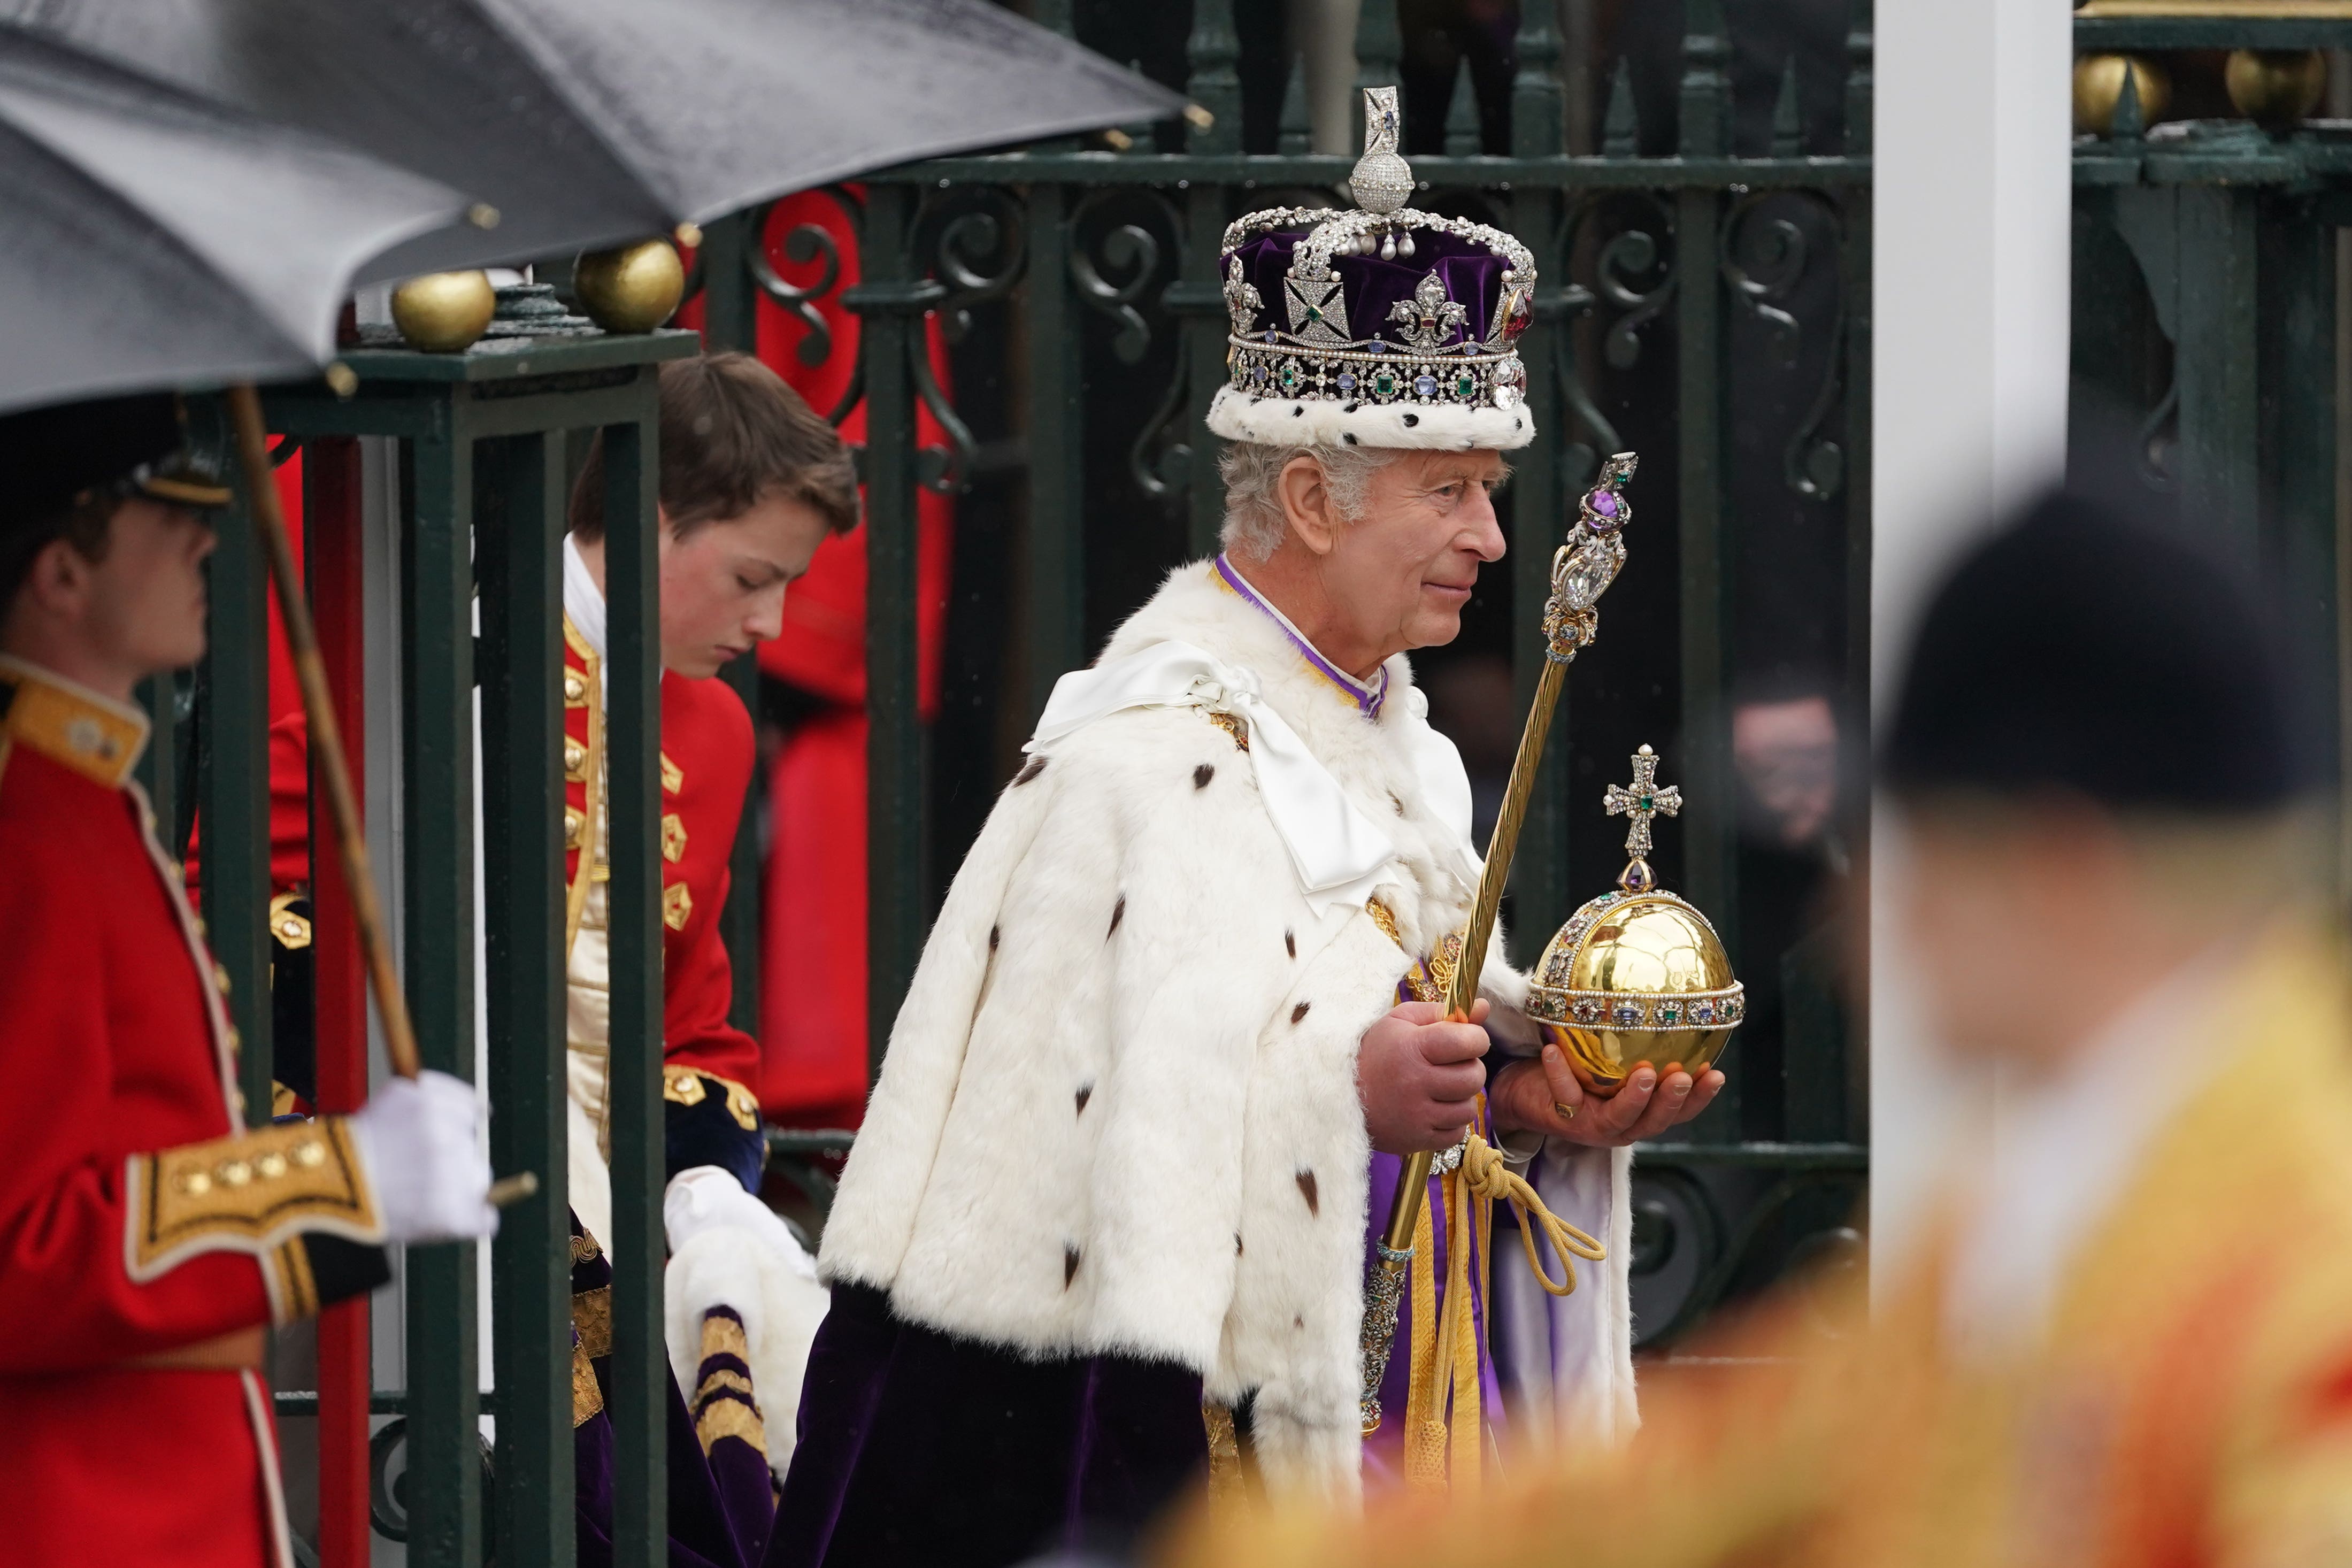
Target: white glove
(706, 1198)
(419, 1139)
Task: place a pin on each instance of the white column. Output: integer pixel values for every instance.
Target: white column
(1971, 200)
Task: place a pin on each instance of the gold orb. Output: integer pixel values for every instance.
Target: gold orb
(444, 312)
(2099, 86)
(1637, 977)
(2275, 87)
(633, 288)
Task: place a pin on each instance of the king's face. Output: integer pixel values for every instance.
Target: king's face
(1406, 568)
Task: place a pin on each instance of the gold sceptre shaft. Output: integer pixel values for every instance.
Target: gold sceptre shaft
(1581, 572)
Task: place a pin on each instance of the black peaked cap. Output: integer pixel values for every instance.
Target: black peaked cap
(49, 456)
(2087, 651)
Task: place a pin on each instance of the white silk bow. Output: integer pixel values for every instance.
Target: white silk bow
(1336, 850)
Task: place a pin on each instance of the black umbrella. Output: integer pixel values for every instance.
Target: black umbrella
(590, 123)
(150, 238)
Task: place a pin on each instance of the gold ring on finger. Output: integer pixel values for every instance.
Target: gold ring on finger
(1564, 1113)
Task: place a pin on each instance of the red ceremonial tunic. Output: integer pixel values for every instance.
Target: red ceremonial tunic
(706, 768)
(138, 1218)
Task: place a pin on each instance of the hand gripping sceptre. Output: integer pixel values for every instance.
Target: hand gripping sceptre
(1581, 570)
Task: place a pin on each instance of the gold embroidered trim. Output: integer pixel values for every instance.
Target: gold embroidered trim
(298, 1290)
(673, 836)
(246, 1192)
(672, 776)
(587, 1398)
(588, 689)
(574, 821)
(1231, 723)
(93, 735)
(690, 1086)
(730, 1418)
(725, 1377)
(724, 1404)
(583, 1249)
(678, 906)
(290, 928)
(723, 1335)
(592, 1314)
(575, 760)
(1384, 920)
(1225, 1452)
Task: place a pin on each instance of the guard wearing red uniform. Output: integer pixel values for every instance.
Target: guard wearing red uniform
(147, 1238)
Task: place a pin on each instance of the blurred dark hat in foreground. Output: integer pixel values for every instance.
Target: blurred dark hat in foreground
(2089, 651)
(49, 458)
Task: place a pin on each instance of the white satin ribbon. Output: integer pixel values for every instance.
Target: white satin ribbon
(1336, 850)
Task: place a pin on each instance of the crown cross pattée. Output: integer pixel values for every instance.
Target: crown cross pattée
(1643, 802)
(1429, 315)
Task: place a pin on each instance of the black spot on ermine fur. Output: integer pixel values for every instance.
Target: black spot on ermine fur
(996, 935)
(1237, 1244)
(1290, 943)
(1118, 913)
(1300, 1011)
(1070, 1264)
(1037, 765)
(1306, 1186)
(1203, 775)
(1411, 420)
(1349, 437)
(1085, 1093)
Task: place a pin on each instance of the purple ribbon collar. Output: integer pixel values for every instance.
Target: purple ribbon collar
(1367, 698)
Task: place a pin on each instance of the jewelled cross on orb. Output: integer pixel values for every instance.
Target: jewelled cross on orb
(1644, 801)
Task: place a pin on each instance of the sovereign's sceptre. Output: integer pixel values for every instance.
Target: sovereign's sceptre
(1581, 570)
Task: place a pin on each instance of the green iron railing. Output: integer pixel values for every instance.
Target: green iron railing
(2208, 290)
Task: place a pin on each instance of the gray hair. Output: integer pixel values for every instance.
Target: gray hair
(1253, 472)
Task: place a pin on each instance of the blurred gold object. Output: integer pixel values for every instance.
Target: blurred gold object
(2099, 86)
(444, 312)
(2275, 87)
(1638, 974)
(633, 288)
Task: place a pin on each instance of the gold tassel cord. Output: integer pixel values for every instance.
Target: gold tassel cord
(1444, 1418)
(1424, 1417)
(1492, 1180)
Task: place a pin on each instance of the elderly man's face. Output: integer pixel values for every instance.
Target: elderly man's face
(1400, 573)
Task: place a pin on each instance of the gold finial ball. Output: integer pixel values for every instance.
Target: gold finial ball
(2275, 87)
(444, 312)
(1635, 977)
(2099, 86)
(633, 288)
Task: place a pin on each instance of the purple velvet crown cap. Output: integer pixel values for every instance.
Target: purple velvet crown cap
(1472, 276)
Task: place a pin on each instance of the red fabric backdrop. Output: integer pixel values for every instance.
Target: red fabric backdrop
(813, 936)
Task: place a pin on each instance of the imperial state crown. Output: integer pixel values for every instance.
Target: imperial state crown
(1380, 326)
(1638, 974)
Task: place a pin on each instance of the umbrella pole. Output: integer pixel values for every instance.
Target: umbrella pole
(327, 753)
(326, 736)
